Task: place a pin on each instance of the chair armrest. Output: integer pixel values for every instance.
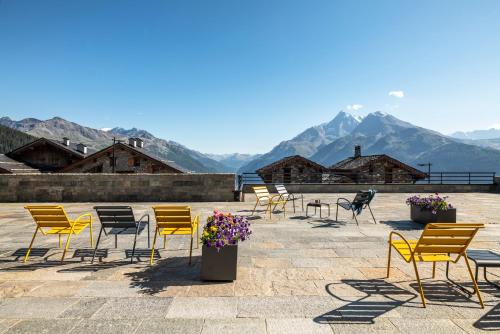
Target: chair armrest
(195, 223)
(344, 199)
(140, 219)
(89, 215)
(402, 238)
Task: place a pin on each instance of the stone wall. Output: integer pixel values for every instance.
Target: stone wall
(116, 187)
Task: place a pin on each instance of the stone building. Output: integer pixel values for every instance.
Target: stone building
(293, 169)
(123, 158)
(374, 169)
(47, 155)
(11, 166)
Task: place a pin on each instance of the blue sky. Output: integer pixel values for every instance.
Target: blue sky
(227, 76)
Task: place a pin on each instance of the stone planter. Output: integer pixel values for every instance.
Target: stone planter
(219, 265)
(425, 216)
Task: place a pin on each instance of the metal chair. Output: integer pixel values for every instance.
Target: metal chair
(120, 220)
(55, 219)
(175, 220)
(267, 200)
(358, 204)
(437, 243)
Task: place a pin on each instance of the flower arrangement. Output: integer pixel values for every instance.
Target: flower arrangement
(434, 203)
(224, 229)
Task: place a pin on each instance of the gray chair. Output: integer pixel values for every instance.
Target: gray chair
(120, 220)
(357, 205)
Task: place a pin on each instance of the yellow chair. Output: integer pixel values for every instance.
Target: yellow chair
(52, 219)
(175, 220)
(268, 200)
(438, 243)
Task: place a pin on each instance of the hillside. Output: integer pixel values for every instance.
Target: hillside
(57, 128)
(11, 139)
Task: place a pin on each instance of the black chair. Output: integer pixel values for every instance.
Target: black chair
(120, 220)
(360, 202)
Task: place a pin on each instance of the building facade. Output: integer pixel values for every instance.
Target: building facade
(123, 158)
(293, 169)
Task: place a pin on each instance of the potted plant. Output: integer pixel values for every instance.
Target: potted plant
(220, 238)
(431, 209)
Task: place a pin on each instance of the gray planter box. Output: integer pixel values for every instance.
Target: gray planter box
(423, 216)
(219, 265)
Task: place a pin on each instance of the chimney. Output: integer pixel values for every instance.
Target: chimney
(65, 141)
(140, 142)
(82, 148)
(357, 151)
(132, 142)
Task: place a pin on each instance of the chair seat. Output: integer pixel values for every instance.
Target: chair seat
(175, 230)
(77, 228)
(127, 230)
(405, 252)
(346, 206)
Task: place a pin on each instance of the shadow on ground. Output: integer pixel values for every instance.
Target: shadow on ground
(173, 271)
(403, 225)
(380, 298)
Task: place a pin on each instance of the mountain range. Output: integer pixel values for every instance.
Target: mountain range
(327, 143)
(57, 128)
(381, 133)
(477, 134)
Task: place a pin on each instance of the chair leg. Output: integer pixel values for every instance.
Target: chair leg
(97, 244)
(116, 240)
(60, 241)
(476, 288)
(31, 245)
(389, 261)
(133, 247)
(433, 269)
(337, 214)
(355, 218)
(149, 236)
(153, 248)
(420, 290)
(302, 198)
(270, 211)
(197, 236)
(66, 247)
(254, 208)
(372, 214)
(191, 249)
(165, 241)
(91, 234)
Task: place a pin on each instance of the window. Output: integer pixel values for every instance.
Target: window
(137, 162)
(112, 162)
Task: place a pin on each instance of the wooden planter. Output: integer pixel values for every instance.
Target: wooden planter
(219, 265)
(425, 216)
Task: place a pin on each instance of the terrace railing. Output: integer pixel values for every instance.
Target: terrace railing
(366, 178)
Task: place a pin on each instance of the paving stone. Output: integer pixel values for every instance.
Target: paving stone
(134, 308)
(171, 326)
(230, 326)
(212, 290)
(12, 289)
(203, 307)
(27, 307)
(42, 326)
(105, 326)
(378, 326)
(110, 289)
(57, 289)
(303, 326)
(269, 307)
(437, 326)
(7, 323)
(84, 308)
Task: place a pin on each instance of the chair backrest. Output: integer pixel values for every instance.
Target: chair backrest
(173, 216)
(282, 190)
(116, 216)
(446, 238)
(363, 197)
(261, 192)
(48, 215)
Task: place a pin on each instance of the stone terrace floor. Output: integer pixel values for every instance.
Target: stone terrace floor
(295, 275)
